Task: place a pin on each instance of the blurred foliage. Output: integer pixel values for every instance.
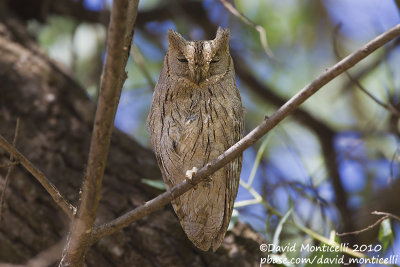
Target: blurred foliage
(292, 172)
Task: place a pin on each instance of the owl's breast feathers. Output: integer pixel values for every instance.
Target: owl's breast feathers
(190, 127)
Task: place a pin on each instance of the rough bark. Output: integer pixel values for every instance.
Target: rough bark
(56, 122)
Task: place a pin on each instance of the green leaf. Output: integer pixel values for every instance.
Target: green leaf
(278, 230)
(260, 153)
(234, 219)
(386, 234)
(155, 183)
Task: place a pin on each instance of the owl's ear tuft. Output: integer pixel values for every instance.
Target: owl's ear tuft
(222, 38)
(175, 39)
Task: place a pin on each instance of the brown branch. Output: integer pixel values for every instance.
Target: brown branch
(9, 171)
(386, 214)
(324, 133)
(233, 152)
(58, 198)
(369, 227)
(9, 164)
(120, 34)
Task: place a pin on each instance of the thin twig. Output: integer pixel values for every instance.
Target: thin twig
(389, 107)
(58, 198)
(369, 227)
(386, 214)
(9, 164)
(261, 31)
(236, 150)
(139, 59)
(10, 170)
(120, 34)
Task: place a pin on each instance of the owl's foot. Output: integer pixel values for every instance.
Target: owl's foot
(189, 175)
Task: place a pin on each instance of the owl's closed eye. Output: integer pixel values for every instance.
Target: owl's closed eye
(198, 61)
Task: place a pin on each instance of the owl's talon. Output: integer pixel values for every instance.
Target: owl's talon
(189, 175)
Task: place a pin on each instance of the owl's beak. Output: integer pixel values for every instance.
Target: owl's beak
(198, 76)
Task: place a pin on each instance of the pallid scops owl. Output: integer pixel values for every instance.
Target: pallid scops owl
(196, 114)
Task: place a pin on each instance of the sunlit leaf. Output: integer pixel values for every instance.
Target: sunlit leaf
(386, 234)
(234, 219)
(154, 183)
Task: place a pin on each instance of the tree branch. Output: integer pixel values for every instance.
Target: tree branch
(118, 47)
(324, 133)
(58, 198)
(369, 227)
(234, 151)
(9, 171)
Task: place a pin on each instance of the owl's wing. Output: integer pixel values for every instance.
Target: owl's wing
(232, 173)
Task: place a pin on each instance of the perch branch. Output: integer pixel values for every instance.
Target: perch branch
(123, 16)
(233, 152)
(58, 198)
(9, 171)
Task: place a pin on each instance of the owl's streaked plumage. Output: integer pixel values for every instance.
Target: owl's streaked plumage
(196, 114)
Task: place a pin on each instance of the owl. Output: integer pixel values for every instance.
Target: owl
(196, 114)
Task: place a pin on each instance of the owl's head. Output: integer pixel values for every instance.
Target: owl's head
(198, 61)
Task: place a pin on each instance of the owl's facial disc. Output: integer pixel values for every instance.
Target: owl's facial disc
(198, 61)
(199, 56)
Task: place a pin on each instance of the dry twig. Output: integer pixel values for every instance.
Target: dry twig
(9, 171)
(386, 214)
(58, 198)
(369, 227)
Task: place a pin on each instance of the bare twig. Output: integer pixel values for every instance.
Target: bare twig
(389, 107)
(269, 123)
(261, 31)
(61, 201)
(139, 59)
(120, 34)
(9, 171)
(369, 227)
(9, 164)
(386, 214)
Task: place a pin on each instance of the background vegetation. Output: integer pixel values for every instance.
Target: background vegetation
(330, 164)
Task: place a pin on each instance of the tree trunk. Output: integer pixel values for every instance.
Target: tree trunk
(56, 122)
